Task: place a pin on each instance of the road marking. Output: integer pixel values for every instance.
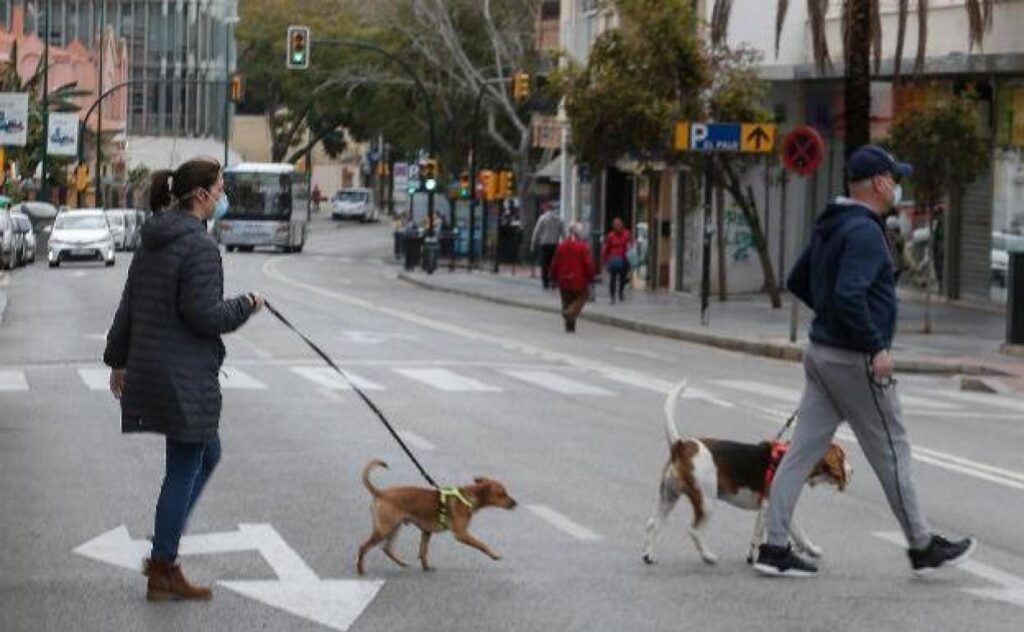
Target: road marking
(980, 398)
(792, 396)
(449, 381)
(12, 381)
(329, 378)
(557, 383)
(1011, 587)
(255, 348)
(415, 440)
(650, 355)
(692, 392)
(95, 379)
(232, 378)
(563, 523)
(333, 603)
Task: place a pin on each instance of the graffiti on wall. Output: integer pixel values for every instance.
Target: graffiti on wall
(739, 240)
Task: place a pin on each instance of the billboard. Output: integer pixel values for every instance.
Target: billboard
(62, 137)
(13, 118)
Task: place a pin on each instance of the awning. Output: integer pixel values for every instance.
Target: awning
(167, 152)
(550, 171)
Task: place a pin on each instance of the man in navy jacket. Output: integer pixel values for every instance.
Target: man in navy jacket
(846, 276)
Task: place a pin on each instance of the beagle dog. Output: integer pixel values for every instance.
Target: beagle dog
(738, 473)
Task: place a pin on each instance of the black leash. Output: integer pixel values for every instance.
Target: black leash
(355, 388)
(789, 422)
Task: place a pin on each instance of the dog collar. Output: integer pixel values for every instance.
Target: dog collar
(778, 451)
(444, 493)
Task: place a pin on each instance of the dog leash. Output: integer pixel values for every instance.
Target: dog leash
(789, 422)
(355, 388)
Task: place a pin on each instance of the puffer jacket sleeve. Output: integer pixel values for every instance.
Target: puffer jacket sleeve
(201, 300)
(115, 355)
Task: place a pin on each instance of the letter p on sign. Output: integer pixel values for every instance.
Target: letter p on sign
(698, 134)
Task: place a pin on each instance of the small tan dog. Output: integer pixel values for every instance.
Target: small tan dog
(431, 510)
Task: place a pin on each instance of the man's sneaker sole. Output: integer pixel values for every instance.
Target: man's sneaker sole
(956, 561)
(770, 571)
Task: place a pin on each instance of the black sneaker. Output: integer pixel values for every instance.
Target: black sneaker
(781, 561)
(939, 553)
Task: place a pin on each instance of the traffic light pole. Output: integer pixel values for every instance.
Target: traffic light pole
(473, 164)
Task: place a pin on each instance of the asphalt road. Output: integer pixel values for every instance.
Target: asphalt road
(571, 424)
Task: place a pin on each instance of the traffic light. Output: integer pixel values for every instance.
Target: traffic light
(237, 88)
(429, 174)
(82, 177)
(464, 191)
(505, 185)
(487, 183)
(521, 86)
(298, 48)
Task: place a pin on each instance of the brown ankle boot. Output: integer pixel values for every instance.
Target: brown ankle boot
(167, 583)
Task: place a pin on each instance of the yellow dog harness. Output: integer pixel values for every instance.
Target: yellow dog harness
(444, 493)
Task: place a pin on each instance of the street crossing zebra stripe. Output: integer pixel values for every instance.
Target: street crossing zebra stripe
(11, 380)
(446, 380)
(557, 383)
(328, 378)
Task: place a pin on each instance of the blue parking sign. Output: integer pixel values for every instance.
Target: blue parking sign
(714, 137)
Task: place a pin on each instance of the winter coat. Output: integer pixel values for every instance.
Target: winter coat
(166, 332)
(548, 231)
(572, 267)
(846, 276)
(615, 245)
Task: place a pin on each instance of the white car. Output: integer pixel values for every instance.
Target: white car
(1002, 245)
(82, 234)
(118, 228)
(354, 204)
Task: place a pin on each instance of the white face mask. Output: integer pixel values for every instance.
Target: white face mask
(897, 196)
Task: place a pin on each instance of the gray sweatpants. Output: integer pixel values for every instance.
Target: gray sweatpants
(839, 388)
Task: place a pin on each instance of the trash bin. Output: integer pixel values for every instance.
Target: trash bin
(1015, 298)
(509, 240)
(430, 255)
(413, 245)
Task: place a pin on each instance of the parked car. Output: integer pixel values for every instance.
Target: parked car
(81, 234)
(9, 238)
(132, 223)
(1002, 245)
(28, 238)
(354, 204)
(118, 227)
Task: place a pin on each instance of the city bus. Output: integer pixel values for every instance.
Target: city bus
(268, 205)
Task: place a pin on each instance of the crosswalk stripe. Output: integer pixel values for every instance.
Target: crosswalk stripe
(446, 380)
(563, 523)
(232, 378)
(792, 396)
(980, 398)
(13, 381)
(557, 383)
(415, 440)
(97, 379)
(328, 378)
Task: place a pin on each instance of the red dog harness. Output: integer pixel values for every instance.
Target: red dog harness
(779, 449)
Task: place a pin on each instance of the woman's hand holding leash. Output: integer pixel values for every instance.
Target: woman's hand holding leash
(256, 300)
(117, 382)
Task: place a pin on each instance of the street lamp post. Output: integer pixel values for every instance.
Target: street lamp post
(229, 21)
(44, 187)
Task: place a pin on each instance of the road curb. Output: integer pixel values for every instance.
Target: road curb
(763, 348)
(3, 295)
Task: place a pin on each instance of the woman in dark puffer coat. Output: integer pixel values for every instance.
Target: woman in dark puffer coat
(165, 352)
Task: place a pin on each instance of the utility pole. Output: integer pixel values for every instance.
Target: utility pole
(44, 186)
(229, 21)
(99, 111)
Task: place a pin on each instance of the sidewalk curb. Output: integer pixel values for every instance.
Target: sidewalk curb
(774, 350)
(3, 295)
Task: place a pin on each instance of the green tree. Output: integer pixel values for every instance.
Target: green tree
(862, 35)
(651, 72)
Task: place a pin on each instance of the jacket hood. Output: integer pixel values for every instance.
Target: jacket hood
(839, 212)
(166, 227)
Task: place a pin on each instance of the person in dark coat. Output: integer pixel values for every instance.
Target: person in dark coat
(572, 269)
(164, 350)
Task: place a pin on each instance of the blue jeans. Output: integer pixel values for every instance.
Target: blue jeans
(189, 466)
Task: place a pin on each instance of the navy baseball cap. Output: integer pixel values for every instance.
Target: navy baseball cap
(872, 160)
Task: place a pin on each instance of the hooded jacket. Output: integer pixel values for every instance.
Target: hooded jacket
(166, 331)
(846, 276)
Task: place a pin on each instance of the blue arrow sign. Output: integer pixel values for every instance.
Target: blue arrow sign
(714, 137)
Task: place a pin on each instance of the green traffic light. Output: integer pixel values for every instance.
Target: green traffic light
(297, 57)
(431, 184)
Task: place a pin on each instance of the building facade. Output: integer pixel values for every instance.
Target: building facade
(180, 52)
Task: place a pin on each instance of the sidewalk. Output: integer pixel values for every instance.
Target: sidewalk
(965, 340)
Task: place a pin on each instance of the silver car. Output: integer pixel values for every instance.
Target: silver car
(119, 228)
(10, 239)
(28, 237)
(82, 234)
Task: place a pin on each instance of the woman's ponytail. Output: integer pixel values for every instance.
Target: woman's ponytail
(160, 190)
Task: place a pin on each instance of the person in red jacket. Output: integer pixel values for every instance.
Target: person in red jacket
(613, 253)
(572, 269)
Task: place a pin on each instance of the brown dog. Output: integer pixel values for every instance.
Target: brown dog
(431, 510)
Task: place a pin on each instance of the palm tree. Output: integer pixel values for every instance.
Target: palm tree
(862, 35)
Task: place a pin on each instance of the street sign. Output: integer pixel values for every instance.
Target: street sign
(13, 118)
(803, 149)
(754, 138)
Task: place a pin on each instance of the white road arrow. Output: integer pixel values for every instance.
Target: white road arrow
(1011, 587)
(334, 603)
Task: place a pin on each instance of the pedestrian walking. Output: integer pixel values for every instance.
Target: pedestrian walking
(614, 254)
(572, 269)
(548, 231)
(846, 276)
(164, 350)
(317, 198)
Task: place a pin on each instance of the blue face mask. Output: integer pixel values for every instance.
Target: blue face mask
(220, 207)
